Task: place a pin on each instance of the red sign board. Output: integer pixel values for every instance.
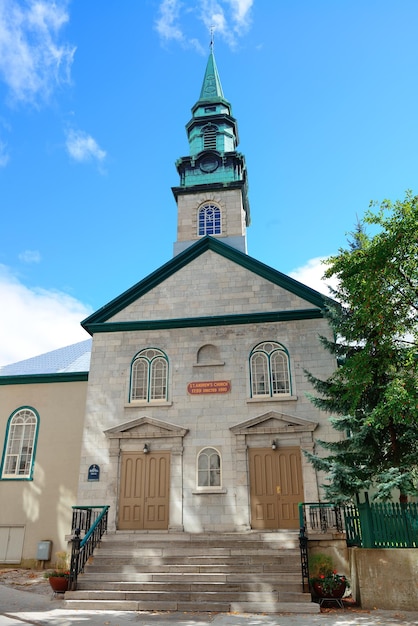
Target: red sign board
(210, 386)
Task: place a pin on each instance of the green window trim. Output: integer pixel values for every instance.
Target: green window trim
(20, 443)
(149, 376)
(269, 368)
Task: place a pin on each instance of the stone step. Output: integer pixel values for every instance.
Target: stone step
(221, 568)
(188, 596)
(186, 607)
(213, 587)
(249, 572)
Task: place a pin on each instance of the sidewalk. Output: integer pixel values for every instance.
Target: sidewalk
(24, 607)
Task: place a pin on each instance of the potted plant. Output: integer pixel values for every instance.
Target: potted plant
(324, 580)
(60, 575)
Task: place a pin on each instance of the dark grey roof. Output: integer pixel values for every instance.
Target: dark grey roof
(74, 358)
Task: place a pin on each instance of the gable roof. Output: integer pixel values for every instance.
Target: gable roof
(62, 364)
(93, 322)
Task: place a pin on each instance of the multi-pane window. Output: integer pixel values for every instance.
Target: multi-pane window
(149, 374)
(209, 219)
(209, 468)
(20, 444)
(269, 370)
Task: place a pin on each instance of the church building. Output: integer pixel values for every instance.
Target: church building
(195, 409)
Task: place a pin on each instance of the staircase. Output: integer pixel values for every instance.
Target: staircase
(255, 572)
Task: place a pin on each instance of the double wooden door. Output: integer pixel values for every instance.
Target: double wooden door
(276, 487)
(144, 491)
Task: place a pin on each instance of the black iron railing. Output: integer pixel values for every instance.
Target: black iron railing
(320, 517)
(304, 560)
(92, 522)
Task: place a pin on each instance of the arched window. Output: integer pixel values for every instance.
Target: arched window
(208, 468)
(269, 370)
(149, 375)
(209, 220)
(19, 455)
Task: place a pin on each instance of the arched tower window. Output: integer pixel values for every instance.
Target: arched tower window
(209, 137)
(208, 468)
(209, 220)
(20, 444)
(149, 375)
(269, 370)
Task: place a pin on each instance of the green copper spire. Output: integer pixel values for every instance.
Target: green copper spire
(211, 88)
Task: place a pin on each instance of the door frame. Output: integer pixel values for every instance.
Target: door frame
(260, 432)
(132, 436)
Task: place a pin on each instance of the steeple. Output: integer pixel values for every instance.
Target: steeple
(211, 87)
(212, 197)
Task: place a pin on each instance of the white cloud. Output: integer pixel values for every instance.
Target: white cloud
(30, 256)
(82, 147)
(167, 23)
(311, 274)
(230, 19)
(32, 59)
(34, 321)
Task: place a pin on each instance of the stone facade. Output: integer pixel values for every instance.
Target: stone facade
(209, 286)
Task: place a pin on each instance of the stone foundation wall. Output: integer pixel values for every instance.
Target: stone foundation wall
(384, 579)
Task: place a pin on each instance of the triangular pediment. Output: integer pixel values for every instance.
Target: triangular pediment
(155, 301)
(145, 428)
(274, 422)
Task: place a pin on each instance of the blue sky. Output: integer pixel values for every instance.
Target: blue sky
(94, 98)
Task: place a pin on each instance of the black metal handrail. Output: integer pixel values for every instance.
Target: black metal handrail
(83, 548)
(320, 517)
(304, 558)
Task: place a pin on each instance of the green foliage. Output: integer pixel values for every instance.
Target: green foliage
(322, 572)
(373, 395)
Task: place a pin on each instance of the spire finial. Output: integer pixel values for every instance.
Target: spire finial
(212, 30)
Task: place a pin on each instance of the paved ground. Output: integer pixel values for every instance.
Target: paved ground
(28, 599)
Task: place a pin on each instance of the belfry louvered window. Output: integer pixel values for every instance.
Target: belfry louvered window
(209, 137)
(149, 375)
(269, 370)
(20, 444)
(209, 219)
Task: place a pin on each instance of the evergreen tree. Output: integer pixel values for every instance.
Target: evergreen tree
(373, 394)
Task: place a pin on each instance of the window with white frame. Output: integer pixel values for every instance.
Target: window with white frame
(149, 376)
(269, 370)
(19, 449)
(209, 469)
(209, 220)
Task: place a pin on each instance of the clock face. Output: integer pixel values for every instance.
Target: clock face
(209, 164)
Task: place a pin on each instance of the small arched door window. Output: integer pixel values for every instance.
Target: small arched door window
(208, 469)
(269, 370)
(149, 375)
(209, 219)
(19, 456)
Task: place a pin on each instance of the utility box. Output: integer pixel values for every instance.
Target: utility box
(44, 551)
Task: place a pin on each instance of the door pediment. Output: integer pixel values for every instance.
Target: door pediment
(145, 428)
(274, 422)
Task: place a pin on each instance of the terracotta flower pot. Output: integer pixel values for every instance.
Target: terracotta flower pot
(59, 584)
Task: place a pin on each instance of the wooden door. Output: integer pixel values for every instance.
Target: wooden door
(276, 487)
(144, 491)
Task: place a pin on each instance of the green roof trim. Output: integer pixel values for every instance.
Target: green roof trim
(37, 379)
(215, 320)
(184, 258)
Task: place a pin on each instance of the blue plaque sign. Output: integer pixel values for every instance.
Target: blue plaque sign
(94, 472)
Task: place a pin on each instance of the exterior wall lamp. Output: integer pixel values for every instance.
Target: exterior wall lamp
(274, 445)
(146, 448)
